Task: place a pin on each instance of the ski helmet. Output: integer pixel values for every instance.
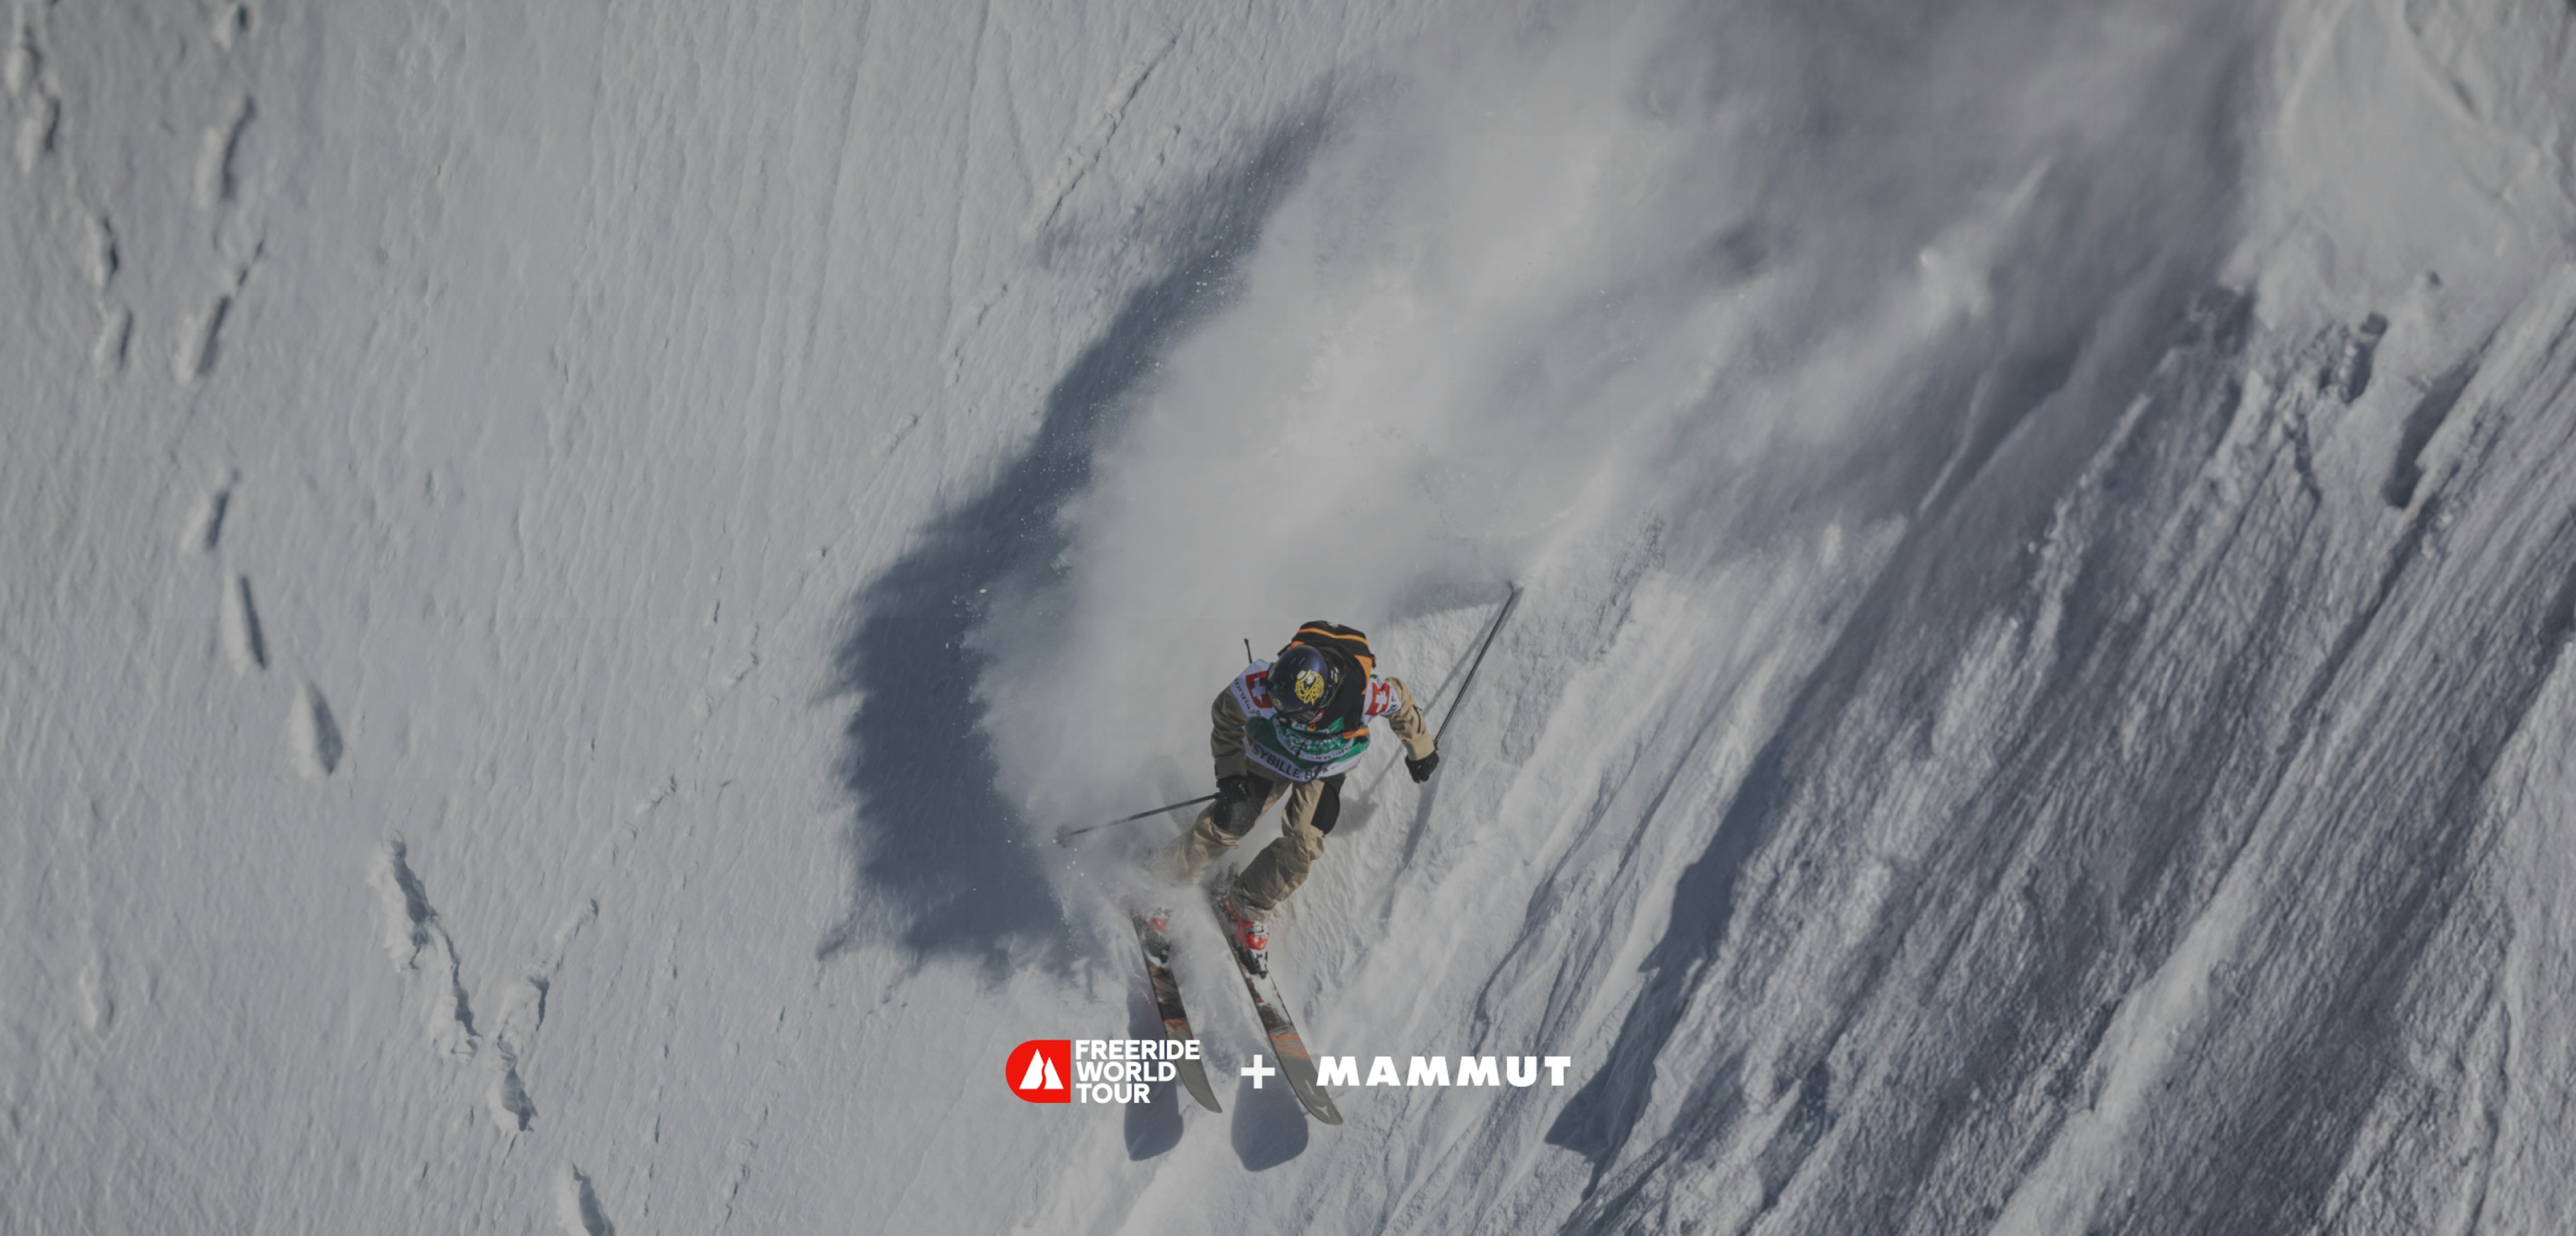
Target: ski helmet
(1303, 682)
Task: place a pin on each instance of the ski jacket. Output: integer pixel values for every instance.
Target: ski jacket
(1251, 736)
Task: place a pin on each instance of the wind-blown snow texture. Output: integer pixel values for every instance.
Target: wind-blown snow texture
(564, 562)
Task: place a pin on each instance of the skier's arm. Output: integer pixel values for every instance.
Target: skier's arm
(1225, 740)
(1406, 721)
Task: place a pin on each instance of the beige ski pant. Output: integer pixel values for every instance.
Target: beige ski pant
(1311, 809)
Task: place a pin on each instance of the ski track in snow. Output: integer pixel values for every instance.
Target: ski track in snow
(1082, 153)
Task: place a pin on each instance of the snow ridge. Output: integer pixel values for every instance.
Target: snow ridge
(1083, 153)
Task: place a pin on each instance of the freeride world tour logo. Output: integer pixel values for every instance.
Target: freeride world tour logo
(1094, 1070)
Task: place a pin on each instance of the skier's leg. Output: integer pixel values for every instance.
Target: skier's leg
(1220, 825)
(1313, 808)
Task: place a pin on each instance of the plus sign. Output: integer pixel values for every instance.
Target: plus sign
(1257, 1070)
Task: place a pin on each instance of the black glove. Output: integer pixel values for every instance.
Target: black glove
(1238, 803)
(1422, 769)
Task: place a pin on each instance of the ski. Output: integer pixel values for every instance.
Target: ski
(1154, 932)
(1294, 1062)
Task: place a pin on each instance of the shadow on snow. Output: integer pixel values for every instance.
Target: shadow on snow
(936, 852)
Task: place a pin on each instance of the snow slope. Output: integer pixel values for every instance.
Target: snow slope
(564, 564)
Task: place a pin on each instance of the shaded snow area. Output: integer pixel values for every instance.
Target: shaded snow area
(565, 562)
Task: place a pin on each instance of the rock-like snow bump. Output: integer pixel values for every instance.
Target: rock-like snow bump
(577, 1205)
(243, 643)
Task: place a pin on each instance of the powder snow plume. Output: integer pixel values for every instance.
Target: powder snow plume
(1652, 282)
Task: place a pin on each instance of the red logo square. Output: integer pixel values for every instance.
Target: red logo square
(1041, 1070)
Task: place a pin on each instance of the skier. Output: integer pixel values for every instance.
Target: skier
(1290, 729)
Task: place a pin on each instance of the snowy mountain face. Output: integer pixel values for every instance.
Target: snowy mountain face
(565, 564)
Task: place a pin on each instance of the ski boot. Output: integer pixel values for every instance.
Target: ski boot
(1248, 933)
(1154, 928)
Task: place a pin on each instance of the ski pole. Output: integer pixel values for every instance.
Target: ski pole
(1490, 633)
(1065, 836)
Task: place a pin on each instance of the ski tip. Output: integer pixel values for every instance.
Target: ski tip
(1202, 1093)
(1317, 1104)
(1309, 1089)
